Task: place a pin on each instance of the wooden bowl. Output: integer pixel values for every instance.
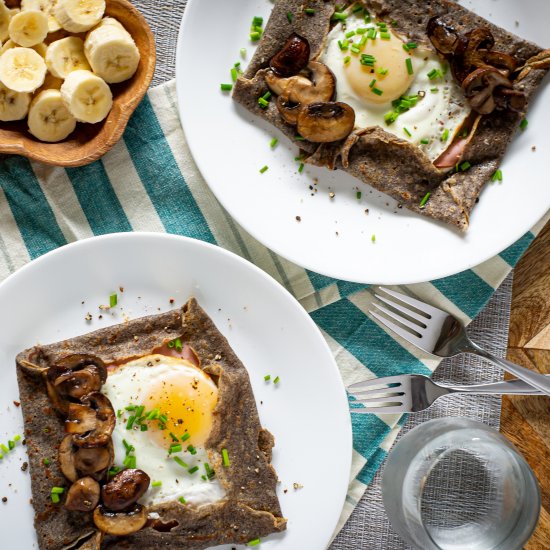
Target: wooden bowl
(91, 141)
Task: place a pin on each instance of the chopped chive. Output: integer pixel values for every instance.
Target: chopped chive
(355, 49)
(255, 36)
(144, 427)
(373, 238)
(276, 381)
(377, 91)
(367, 59)
(175, 448)
(363, 41)
(298, 137)
(424, 141)
(163, 418)
(435, 73)
(209, 472)
(129, 448)
(409, 64)
(171, 345)
(445, 135)
(301, 168)
(192, 449)
(156, 484)
(289, 16)
(267, 377)
(358, 195)
(411, 46)
(185, 436)
(347, 59)
(465, 166)
(373, 82)
(390, 118)
(523, 124)
(226, 87)
(55, 498)
(356, 8)
(130, 408)
(343, 45)
(179, 461)
(263, 103)
(225, 458)
(46, 462)
(385, 35)
(434, 90)
(367, 17)
(139, 411)
(193, 469)
(393, 23)
(130, 422)
(113, 300)
(17, 437)
(264, 169)
(257, 21)
(5, 450)
(407, 131)
(425, 199)
(361, 30)
(382, 72)
(11, 445)
(254, 542)
(309, 11)
(372, 33)
(497, 176)
(153, 415)
(273, 143)
(243, 52)
(173, 436)
(57, 490)
(350, 34)
(182, 500)
(129, 462)
(234, 74)
(339, 16)
(119, 413)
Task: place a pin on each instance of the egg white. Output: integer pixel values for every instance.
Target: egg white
(129, 384)
(444, 108)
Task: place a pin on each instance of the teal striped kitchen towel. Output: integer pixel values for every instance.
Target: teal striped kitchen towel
(149, 182)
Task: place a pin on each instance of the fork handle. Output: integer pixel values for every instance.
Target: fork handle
(508, 387)
(534, 379)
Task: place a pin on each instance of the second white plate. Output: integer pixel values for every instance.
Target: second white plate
(334, 236)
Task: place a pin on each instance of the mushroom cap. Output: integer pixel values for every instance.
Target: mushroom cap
(66, 458)
(292, 57)
(125, 489)
(120, 523)
(83, 495)
(105, 420)
(76, 461)
(479, 88)
(325, 122)
(289, 111)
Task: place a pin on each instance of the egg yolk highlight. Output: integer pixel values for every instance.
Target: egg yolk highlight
(188, 399)
(389, 70)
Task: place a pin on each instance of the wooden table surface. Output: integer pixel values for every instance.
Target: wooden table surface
(526, 420)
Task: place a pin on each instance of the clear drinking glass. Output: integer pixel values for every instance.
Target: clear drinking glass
(453, 484)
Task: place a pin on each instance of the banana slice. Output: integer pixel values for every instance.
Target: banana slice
(65, 56)
(13, 105)
(87, 96)
(5, 17)
(111, 51)
(28, 28)
(40, 49)
(22, 70)
(47, 7)
(79, 15)
(49, 118)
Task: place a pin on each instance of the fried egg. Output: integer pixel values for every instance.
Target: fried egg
(393, 83)
(175, 401)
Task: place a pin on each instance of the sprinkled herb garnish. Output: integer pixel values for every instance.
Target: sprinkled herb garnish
(273, 143)
(263, 103)
(372, 33)
(382, 72)
(298, 137)
(129, 448)
(290, 16)
(373, 82)
(357, 8)
(355, 49)
(435, 73)
(154, 414)
(254, 542)
(175, 448)
(339, 16)
(385, 35)
(497, 176)
(358, 195)
(243, 52)
(192, 450)
(179, 461)
(465, 166)
(309, 11)
(424, 141)
(361, 30)
(368, 60)
(234, 74)
(193, 469)
(264, 169)
(46, 462)
(343, 45)
(523, 124)
(226, 87)
(182, 500)
(276, 380)
(173, 436)
(350, 34)
(434, 90)
(54, 495)
(225, 458)
(209, 472)
(130, 462)
(113, 300)
(267, 377)
(408, 63)
(301, 168)
(256, 30)
(445, 135)
(407, 131)
(373, 238)
(377, 91)
(425, 199)
(130, 422)
(185, 436)
(156, 484)
(347, 59)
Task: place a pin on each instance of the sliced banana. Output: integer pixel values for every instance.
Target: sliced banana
(79, 15)
(13, 105)
(28, 28)
(47, 7)
(5, 17)
(40, 49)
(22, 70)
(111, 51)
(49, 118)
(65, 56)
(87, 96)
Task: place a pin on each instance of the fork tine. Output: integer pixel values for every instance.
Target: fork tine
(409, 312)
(379, 410)
(421, 306)
(414, 340)
(398, 379)
(413, 326)
(399, 400)
(364, 394)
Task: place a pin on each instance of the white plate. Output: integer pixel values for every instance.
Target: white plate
(334, 236)
(307, 412)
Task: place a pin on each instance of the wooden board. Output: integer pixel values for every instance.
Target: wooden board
(526, 420)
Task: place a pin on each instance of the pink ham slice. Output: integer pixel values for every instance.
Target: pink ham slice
(454, 153)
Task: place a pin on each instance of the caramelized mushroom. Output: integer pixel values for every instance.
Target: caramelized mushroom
(31, 368)
(66, 458)
(508, 98)
(120, 523)
(325, 122)
(289, 111)
(81, 419)
(479, 88)
(75, 363)
(125, 489)
(292, 58)
(83, 495)
(95, 461)
(505, 63)
(100, 434)
(319, 86)
(443, 37)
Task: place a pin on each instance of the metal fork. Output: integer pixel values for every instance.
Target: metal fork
(439, 333)
(408, 393)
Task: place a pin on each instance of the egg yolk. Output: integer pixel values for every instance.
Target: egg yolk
(389, 70)
(188, 399)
